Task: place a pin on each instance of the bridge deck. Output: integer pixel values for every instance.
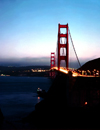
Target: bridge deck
(74, 74)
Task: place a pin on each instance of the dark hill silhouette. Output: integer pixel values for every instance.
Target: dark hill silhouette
(63, 106)
(91, 65)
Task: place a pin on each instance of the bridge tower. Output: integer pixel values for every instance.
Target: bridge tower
(66, 45)
(52, 64)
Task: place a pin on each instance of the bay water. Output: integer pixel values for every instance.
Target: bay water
(18, 95)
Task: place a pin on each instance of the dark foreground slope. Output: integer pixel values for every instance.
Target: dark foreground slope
(91, 65)
(60, 109)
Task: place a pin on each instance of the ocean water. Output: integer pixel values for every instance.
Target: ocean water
(18, 96)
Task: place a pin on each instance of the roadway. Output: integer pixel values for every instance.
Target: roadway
(74, 74)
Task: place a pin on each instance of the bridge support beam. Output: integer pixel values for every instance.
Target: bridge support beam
(66, 45)
(52, 64)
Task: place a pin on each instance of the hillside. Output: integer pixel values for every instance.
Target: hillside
(91, 65)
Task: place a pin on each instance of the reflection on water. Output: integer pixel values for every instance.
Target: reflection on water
(38, 99)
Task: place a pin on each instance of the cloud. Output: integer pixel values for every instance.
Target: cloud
(39, 61)
(25, 61)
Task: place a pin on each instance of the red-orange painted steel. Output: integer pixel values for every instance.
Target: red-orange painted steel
(67, 50)
(52, 63)
(62, 26)
(52, 59)
(66, 46)
(63, 35)
(62, 45)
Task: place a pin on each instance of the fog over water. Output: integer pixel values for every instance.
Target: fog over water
(42, 61)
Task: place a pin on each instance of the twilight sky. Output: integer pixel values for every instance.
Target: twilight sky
(28, 29)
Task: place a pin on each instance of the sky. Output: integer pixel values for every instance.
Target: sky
(29, 28)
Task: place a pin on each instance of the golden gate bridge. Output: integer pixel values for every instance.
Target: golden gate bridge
(70, 102)
(56, 57)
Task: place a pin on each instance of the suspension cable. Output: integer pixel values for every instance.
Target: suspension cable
(74, 49)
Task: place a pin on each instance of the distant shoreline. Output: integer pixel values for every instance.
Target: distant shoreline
(31, 71)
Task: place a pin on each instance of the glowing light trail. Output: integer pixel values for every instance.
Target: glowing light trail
(74, 74)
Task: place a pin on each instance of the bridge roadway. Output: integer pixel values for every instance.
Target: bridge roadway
(74, 74)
